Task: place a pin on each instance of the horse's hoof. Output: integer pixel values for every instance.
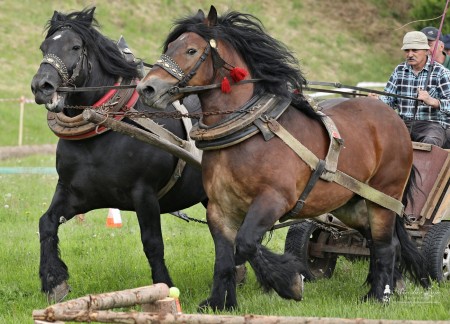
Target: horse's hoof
(207, 305)
(297, 287)
(371, 297)
(400, 287)
(58, 293)
(203, 306)
(241, 274)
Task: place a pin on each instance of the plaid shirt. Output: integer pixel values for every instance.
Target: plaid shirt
(404, 82)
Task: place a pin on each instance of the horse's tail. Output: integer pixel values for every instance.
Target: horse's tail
(412, 260)
(411, 186)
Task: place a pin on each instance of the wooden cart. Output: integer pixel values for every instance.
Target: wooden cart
(319, 242)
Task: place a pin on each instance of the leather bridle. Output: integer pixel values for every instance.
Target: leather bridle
(170, 66)
(62, 70)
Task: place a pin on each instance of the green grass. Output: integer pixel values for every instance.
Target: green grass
(102, 259)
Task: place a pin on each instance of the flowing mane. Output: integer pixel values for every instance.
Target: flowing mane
(84, 24)
(268, 59)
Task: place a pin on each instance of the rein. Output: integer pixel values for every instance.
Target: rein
(193, 89)
(340, 85)
(87, 89)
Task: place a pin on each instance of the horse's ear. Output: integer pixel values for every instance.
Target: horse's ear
(200, 14)
(212, 17)
(90, 14)
(56, 16)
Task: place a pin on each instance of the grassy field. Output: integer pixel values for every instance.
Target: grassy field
(102, 259)
(335, 41)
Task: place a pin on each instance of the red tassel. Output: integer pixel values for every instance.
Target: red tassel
(238, 74)
(225, 86)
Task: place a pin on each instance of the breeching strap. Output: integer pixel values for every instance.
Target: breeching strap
(340, 178)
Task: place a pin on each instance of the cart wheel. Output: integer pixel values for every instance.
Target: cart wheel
(436, 247)
(298, 241)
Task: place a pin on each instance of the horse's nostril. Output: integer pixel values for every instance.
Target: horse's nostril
(145, 90)
(148, 90)
(47, 87)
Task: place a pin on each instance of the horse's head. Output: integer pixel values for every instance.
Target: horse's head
(76, 54)
(186, 61)
(65, 62)
(195, 57)
(203, 50)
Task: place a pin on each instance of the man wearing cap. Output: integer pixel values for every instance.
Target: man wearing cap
(440, 55)
(429, 118)
(446, 40)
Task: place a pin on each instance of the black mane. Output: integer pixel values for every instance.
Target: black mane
(267, 58)
(84, 24)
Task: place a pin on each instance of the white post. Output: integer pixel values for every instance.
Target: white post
(22, 106)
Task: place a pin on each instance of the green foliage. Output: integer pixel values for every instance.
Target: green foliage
(431, 11)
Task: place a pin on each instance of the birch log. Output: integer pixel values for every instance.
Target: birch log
(82, 307)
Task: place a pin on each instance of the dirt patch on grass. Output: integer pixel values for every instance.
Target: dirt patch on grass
(8, 152)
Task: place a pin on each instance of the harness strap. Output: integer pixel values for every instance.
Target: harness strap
(151, 126)
(336, 142)
(315, 176)
(188, 145)
(354, 185)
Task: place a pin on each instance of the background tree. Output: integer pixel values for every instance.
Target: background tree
(428, 9)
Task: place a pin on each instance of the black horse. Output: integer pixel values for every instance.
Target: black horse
(99, 168)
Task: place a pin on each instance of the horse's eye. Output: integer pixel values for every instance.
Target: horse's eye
(76, 47)
(191, 51)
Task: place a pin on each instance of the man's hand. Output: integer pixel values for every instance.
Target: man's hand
(424, 96)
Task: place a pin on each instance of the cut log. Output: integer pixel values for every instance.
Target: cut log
(84, 306)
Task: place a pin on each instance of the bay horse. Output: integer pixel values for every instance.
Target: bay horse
(252, 172)
(98, 168)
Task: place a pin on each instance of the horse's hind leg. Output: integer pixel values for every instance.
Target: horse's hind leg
(382, 250)
(273, 271)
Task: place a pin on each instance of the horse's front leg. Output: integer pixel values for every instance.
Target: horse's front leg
(148, 214)
(52, 270)
(223, 292)
(273, 271)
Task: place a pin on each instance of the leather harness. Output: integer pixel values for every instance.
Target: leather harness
(260, 114)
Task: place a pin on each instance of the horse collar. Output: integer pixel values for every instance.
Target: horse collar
(76, 128)
(242, 125)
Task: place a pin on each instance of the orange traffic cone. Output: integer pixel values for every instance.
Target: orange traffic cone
(114, 219)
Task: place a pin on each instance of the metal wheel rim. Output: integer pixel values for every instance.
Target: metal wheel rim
(446, 263)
